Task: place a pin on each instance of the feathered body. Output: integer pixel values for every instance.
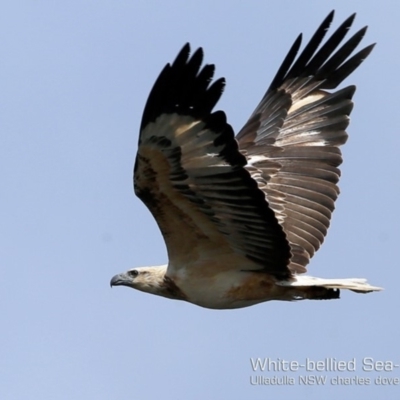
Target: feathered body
(241, 217)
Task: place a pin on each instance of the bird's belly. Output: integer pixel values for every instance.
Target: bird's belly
(228, 290)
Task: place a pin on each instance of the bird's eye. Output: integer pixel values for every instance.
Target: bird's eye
(133, 273)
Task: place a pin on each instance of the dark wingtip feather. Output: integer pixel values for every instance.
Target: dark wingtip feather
(331, 45)
(301, 63)
(347, 68)
(327, 63)
(183, 87)
(340, 56)
(286, 69)
(287, 62)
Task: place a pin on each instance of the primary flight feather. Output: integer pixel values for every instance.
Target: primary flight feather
(241, 217)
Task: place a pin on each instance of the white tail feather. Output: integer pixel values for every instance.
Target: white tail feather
(354, 284)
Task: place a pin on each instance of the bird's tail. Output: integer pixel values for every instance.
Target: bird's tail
(308, 287)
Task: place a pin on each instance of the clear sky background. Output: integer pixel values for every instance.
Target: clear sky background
(74, 78)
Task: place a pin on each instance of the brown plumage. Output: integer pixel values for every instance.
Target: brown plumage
(242, 217)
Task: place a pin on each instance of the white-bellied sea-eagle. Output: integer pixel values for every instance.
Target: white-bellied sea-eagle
(242, 216)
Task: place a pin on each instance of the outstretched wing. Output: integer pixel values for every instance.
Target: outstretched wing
(291, 141)
(192, 177)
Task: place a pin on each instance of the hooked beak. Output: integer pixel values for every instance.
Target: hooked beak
(119, 280)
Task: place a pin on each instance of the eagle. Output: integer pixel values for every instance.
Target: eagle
(242, 216)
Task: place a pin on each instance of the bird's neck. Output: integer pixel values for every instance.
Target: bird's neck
(157, 282)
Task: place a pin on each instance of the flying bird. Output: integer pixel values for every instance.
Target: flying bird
(242, 216)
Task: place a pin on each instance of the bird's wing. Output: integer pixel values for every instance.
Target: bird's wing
(291, 140)
(192, 177)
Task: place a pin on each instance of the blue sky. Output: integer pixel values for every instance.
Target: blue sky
(74, 80)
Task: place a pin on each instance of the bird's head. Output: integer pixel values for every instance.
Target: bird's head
(146, 279)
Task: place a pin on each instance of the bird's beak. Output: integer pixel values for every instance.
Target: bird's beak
(118, 280)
